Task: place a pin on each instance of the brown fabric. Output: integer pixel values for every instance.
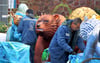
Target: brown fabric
(46, 27)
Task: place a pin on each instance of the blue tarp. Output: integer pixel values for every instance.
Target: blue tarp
(80, 57)
(14, 52)
(10, 34)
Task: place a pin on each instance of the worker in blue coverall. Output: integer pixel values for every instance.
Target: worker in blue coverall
(12, 34)
(90, 32)
(65, 40)
(27, 28)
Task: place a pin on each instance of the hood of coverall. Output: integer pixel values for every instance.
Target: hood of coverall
(22, 8)
(67, 22)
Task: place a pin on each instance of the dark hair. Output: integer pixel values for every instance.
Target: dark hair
(77, 20)
(29, 11)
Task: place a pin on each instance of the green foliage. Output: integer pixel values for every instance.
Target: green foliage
(62, 5)
(36, 16)
(3, 28)
(9, 18)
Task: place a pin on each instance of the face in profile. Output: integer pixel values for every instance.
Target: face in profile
(75, 27)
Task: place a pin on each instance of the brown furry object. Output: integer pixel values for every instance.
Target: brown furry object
(46, 27)
(17, 19)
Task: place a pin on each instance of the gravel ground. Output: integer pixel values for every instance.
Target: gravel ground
(2, 36)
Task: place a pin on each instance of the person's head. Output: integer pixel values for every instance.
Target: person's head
(22, 8)
(29, 11)
(75, 25)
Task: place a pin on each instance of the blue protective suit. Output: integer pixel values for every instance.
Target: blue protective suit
(12, 34)
(89, 31)
(59, 47)
(16, 36)
(27, 28)
(93, 44)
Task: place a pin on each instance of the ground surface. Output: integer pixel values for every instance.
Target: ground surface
(2, 36)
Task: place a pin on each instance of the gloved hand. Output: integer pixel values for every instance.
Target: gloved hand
(73, 53)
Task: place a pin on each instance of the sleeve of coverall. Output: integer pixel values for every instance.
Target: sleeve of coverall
(20, 26)
(80, 44)
(62, 40)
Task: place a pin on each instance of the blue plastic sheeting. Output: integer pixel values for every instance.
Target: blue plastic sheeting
(80, 57)
(14, 52)
(45, 54)
(13, 35)
(10, 35)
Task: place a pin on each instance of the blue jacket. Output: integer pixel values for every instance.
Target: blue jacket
(27, 28)
(60, 42)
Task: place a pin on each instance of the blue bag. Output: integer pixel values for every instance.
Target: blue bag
(80, 57)
(13, 35)
(10, 34)
(14, 52)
